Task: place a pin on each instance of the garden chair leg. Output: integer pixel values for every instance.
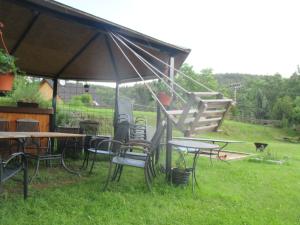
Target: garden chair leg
(115, 174)
(25, 179)
(152, 165)
(36, 171)
(147, 178)
(108, 176)
(120, 173)
(92, 166)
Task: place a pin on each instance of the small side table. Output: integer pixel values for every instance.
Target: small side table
(193, 147)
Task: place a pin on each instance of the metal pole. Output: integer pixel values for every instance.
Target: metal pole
(117, 91)
(169, 128)
(54, 97)
(158, 121)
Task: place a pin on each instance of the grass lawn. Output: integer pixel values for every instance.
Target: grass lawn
(241, 192)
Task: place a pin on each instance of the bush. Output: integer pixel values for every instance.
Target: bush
(82, 100)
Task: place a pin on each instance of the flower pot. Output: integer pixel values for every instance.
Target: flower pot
(6, 82)
(180, 176)
(164, 98)
(28, 104)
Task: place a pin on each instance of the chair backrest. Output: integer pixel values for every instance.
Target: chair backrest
(121, 135)
(4, 125)
(28, 125)
(125, 110)
(155, 141)
(89, 127)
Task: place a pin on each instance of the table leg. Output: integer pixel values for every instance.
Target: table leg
(218, 153)
(194, 179)
(63, 159)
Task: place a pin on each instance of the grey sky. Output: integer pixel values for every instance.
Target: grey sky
(256, 36)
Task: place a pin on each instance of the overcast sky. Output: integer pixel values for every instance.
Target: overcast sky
(246, 36)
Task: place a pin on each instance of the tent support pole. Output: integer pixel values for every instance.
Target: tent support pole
(54, 98)
(117, 76)
(117, 92)
(169, 128)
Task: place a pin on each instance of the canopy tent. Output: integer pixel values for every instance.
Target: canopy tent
(53, 40)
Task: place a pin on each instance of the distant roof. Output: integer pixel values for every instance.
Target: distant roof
(54, 40)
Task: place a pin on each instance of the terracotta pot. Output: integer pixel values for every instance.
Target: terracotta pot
(6, 82)
(164, 98)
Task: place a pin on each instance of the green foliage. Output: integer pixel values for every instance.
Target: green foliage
(82, 100)
(24, 90)
(7, 63)
(283, 108)
(266, 97)
(204, 77)
(107, 95)
(27, 92)
(180, 161)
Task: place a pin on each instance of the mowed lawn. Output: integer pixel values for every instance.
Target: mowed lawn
(241, 192)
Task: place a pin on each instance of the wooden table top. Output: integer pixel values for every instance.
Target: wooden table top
(11, 135)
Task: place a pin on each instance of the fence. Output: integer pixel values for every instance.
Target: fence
(247, 119)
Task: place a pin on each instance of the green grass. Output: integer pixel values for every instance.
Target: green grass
(241, 192)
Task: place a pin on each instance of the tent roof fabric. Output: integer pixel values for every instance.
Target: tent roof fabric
(53, 40)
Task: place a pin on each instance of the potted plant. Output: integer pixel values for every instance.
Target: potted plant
(8, 69)
(180, 173)
(27, 95)
(164, 98)
(160, 88)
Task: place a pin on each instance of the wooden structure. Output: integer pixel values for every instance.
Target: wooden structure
(12, 114)
(46, 91)
(199, 114)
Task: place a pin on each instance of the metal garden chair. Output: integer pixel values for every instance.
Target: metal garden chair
(16, 163)
(33, 146)
(142, 157)
(138, 126)
(108, 147)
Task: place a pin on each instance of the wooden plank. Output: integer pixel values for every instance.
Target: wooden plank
(8, 135)
(204, 94)
(185, 113)
(9, 109)
(217, 105)
(207, 128)
(179, 112)
(217, 100)
(224, 114)
(212, 113)
(201, 109)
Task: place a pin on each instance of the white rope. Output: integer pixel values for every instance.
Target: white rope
(134, 68)
(161, 61)
(155, 68)
(149, 65)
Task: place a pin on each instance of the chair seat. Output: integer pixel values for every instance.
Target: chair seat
(136, 155)
(99, 151)
(129, 162)
(9, 172)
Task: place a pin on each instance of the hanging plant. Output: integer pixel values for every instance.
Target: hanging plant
(8, 68)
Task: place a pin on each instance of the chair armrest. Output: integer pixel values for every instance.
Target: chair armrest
(139, 141)
(136, 146)
(13, 156)
(109, 141)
